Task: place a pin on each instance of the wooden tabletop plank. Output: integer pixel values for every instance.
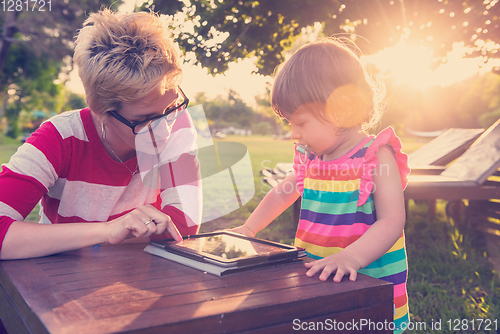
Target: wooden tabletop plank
(179, 285)
(52, 306)
(200, 295)
(121, 288)
(234, 313)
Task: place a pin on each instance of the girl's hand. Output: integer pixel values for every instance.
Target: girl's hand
(243, 230)
(135, 222)
(342, 262)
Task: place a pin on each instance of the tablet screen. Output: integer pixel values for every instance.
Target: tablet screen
(228, 247)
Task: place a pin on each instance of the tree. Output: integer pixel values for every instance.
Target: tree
(35, 46)
(225, 31)
(231, 110)
(266, 112)
(47, 32)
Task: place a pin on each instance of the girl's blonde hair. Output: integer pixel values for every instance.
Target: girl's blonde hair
(123, 58)
(327, 78)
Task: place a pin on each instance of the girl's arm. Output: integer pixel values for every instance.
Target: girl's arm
(381, 236)
(274, 203)
(26, 240)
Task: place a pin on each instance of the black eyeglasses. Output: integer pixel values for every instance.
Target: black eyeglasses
(169, 115)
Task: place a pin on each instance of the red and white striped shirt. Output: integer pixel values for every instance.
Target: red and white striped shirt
(64, 164)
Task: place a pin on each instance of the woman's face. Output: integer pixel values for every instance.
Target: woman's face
(149, 140)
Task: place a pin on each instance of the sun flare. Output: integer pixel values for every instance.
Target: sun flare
(411, 65)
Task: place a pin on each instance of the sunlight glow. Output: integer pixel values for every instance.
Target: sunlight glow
(411, 65)
(406, 64)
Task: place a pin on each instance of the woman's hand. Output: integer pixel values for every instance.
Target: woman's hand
(243, 230)
(141, 222)
(343, 262)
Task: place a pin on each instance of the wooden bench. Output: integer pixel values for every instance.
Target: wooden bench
(484, 216)
(442, 150)
(469, 177)
(278, 174)
(432, 158)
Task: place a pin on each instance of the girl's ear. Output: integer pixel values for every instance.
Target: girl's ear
(347, 106)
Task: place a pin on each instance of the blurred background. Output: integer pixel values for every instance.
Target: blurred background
(438, 59)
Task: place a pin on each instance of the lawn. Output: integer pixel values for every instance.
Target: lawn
(8, 146)
(450, 280)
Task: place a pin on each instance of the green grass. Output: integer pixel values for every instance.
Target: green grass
(8, 147)
(449, 276)
(265, 152)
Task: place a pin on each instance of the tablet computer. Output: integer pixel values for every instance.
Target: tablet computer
(228, 249)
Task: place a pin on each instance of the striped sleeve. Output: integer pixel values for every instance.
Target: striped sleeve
(31, 171)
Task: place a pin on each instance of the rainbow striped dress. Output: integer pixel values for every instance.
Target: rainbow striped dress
(337, 208)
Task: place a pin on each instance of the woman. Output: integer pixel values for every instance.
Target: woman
(123, 166)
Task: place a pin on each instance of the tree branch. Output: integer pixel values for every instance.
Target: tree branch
(9, 29)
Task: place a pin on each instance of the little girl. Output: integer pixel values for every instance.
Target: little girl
(352, 215)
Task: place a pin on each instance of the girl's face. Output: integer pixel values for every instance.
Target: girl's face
(322, 137)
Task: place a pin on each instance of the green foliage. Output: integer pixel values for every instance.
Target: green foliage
(262, 128)
(222, 112)
(35, 47)
(225, 31)
(47, 35)
(449, 274)
(74, 101)
(232, 111)
(471, 103)
(8, 147)
(487, 119)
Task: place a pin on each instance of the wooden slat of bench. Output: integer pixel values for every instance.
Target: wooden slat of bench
(481, 160)
(490, 228)
(427, 170)
(444, 148)
(271, 181)
(485, 216)
(445, 192)
(485, 206)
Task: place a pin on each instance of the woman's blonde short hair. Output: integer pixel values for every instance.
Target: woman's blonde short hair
(327, 78)
(122, 58)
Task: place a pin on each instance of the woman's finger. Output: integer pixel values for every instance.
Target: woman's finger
(151, 215)
(152, 227)
(172, 229)
(160, 219)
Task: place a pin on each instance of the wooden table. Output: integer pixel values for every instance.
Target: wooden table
(120, 288)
